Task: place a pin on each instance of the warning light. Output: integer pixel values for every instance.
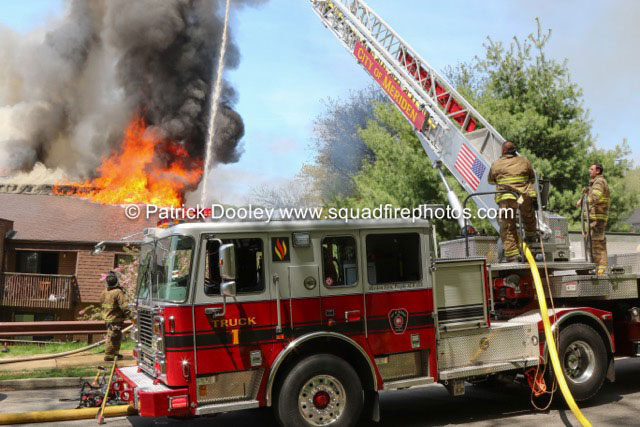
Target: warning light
(178, 402)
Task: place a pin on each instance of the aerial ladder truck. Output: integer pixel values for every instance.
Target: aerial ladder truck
(314, 318)
(456, 136)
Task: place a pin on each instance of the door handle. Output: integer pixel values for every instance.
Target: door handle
(352, 316)
(214, 311)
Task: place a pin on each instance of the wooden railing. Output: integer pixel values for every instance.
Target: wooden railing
(36, 290)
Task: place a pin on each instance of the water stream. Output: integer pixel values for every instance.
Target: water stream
(216, 90)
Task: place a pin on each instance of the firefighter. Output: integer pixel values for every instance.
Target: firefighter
(515, 173)
(598, 203)
(115, 312)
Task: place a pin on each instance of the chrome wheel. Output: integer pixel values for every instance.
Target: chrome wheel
(322, 400)
(579, 361)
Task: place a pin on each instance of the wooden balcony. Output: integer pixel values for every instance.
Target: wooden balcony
(28, 290)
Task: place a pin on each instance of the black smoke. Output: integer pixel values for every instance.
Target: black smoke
(65, 99)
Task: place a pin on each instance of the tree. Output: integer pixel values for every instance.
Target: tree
(339, 148)
(295, 193)
(531, 101)
(401, 173)
(632, 180)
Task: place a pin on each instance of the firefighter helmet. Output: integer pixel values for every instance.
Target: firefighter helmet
(112, 279)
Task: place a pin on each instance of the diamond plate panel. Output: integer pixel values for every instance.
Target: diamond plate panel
(402, 365)
(619, 286)
(502, 343)
(559, 226)
(632, 260)
(228, 386)
(479, 246)
(142, 380)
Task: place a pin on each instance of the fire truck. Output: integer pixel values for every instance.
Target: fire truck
(315, 318)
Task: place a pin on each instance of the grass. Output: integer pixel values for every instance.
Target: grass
(49, 373)
(58, 347)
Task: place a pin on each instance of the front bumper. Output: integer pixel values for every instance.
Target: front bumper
(154, 399)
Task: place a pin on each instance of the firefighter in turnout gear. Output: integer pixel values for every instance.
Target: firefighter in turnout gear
(598, 204)
(513, 172)
(115, 312)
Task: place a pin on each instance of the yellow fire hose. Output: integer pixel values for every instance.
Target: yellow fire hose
(553, 352)
(65, 415)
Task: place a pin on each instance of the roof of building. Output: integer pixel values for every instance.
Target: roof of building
(67, 219)
(634, 219)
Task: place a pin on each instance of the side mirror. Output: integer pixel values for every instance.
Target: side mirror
(228, 262)
(99, 248)
(228, 289)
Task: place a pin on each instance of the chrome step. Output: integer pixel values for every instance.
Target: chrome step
(487, 368)
(227, 407)
(409, 382)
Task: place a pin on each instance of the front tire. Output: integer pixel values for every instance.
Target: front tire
(583, 357)
(320, 390)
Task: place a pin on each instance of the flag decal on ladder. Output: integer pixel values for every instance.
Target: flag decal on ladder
(470, 167)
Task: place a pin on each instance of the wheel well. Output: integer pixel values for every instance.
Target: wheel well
(594, 324)
(329, 345)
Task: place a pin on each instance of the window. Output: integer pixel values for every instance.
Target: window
(37, 262)
(249, 266)
(339, 261)
(393, 258)
(165, 269)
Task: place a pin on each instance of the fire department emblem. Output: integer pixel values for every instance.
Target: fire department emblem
(280, 249)
(398, 319)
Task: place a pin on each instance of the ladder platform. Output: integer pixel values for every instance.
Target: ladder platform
(553, 265)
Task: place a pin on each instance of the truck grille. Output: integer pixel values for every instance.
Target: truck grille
(145, 327)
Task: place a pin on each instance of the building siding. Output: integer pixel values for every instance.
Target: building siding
(88, 270)
(67, 263)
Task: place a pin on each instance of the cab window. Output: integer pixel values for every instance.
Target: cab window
(249, 266)
(393, 258)
(339, 261)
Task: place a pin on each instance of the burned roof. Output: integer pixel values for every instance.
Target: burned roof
(66, 219)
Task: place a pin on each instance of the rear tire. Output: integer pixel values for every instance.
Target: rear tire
(320, 390)
(583, 357)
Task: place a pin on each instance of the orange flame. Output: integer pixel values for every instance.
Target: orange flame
(137, 173)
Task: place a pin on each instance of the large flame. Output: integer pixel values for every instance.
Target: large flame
(147, 170)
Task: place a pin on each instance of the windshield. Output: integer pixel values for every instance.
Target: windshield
(165, 268)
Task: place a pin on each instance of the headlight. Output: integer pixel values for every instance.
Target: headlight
(158, 334)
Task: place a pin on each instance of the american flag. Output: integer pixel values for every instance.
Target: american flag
(470, 167)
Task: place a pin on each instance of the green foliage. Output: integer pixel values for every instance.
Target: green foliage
(632, 180)
(20, 350)
(338, 145)
(48, 373)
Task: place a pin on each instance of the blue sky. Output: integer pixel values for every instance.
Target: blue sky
(290, 62)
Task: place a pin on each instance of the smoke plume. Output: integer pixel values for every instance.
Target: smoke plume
(67, 93)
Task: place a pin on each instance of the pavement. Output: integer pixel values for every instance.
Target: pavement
(615, 405)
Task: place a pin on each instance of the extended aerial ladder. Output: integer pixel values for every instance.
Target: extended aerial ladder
(450, 130)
